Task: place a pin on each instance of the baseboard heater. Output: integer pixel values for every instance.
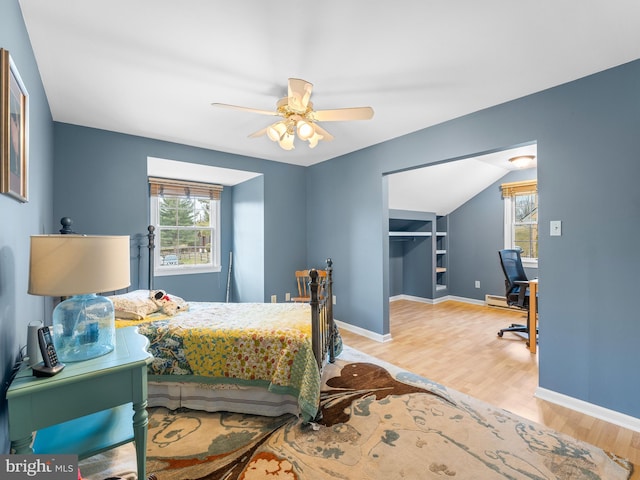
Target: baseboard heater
(495, 301)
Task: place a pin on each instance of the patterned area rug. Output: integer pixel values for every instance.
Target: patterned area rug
(378, 422)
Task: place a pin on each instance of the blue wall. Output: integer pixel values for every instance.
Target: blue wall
(108, 171)
(21, 220)
(588, 166)
(476, 233)
(248, 241)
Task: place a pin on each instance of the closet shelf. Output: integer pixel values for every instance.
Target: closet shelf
(410, 234)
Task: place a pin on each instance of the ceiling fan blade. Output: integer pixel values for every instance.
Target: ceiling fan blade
(321, 131)
(299, 94)
(259, 133)
(344, 114)
(245, 109)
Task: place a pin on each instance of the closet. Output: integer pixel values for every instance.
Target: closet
(418, 254)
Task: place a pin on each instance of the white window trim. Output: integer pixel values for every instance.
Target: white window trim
(164, 270)
(508, 233)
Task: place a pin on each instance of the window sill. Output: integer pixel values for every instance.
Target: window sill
(168, 271)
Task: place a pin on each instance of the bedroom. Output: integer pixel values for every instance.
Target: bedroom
(587, 147)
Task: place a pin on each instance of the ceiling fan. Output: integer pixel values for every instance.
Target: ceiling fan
(299, 118)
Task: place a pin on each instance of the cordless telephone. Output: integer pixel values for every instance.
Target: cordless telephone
(50, 365)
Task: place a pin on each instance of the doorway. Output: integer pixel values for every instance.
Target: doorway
(446, 224)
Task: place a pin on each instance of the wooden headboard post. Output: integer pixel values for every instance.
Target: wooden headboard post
(151, 246)
(316, 320)
(329, 307)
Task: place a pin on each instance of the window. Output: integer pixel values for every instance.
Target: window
(187, 220)
(521, 219)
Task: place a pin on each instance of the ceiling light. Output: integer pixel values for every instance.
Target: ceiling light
(305, 130)
(523, 161)
(275, 131)
(285, 131)
(286, 142)
(299, 117)
(315, 138)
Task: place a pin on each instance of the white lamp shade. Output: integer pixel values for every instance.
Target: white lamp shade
(275, 131)
(65, 265)
(305, 130)
(313, 140)
(286, 142)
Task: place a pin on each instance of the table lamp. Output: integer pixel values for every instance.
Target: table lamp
(79, 266)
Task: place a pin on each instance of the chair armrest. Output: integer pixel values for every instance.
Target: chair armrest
(524, 287)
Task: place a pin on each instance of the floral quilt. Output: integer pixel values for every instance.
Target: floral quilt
(262, 344)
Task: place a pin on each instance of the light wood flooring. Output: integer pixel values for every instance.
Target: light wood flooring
(456, 344)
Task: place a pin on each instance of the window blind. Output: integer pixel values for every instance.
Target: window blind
(519, 188)
(167, 186)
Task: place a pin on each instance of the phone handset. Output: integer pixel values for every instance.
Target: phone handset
(50, 364)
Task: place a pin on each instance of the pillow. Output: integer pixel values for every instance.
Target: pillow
(133, 305)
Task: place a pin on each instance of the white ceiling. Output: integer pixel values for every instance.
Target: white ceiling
(153, 67)
(443, 187)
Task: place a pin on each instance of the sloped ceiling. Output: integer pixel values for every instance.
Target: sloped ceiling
(443, 187)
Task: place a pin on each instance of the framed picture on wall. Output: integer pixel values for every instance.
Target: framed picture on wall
(14, 130)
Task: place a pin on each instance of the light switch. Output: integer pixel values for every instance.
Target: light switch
(555, 228)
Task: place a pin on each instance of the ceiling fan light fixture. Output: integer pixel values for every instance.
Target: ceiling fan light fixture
(523, 161)
(314, 139)
(299, 118)
(286, 141)
(305, 130)
(276, 131)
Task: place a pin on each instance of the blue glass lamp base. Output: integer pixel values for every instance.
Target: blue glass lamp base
(84, 328)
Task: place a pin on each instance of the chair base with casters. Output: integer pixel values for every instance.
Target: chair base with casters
(517, 328)
(514, 327)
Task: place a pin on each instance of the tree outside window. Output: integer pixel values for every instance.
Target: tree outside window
(185, 231)
(525, 224)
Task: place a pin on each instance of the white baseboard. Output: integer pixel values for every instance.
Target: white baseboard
(595, 411)
(412, 298)
(363, 332)
(473, 301)
(430, 301)
(435, 301)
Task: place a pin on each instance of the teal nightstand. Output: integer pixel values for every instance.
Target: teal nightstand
(87, 408)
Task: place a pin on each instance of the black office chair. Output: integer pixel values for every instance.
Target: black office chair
(516, 287)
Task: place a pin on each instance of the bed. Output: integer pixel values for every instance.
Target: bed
(254, 358)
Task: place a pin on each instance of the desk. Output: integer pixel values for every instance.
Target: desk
(533, 315)
(87, 408)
